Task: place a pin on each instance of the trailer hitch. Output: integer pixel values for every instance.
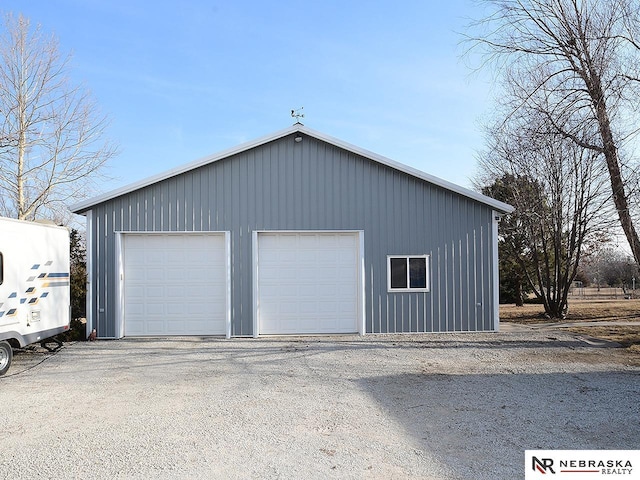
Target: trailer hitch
(47, 341)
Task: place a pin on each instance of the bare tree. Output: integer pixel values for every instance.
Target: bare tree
(576, 63)
(51, 134)
(557, 190)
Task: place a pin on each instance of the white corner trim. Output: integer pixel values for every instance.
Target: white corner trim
(362, 304)
(227, 254)
(254, 280)
(89, 280)
(496, 271)
(119, 320)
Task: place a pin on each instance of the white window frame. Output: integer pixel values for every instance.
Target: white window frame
(408, 289)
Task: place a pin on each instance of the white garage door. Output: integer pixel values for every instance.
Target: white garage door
(174, 284)
(307, 283)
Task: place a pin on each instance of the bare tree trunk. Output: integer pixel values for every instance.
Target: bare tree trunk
(21, 98)
(22, 214)
(20, 181)
(519, 294)
(619, 194)
(609, 149)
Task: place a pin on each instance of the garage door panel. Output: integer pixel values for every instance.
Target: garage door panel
(136, 291)
(198, 308)
(269, 274)
(200, 274)
(155, 324)
(328, 290)
(153, 274)
(287, 308)
(176, 328)
(154, 256)
(155, 292)
(173, 258)
(175, 310)
(175, 292)
(268, 291)
(155, 309)
(308, 309)
(174, 284)
(175, 274)
(207, 257)
(136, 309)
(135, 330)
(307, 282)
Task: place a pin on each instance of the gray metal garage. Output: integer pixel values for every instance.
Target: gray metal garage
(293, 233)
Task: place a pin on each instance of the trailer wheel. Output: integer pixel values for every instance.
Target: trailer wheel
(6, 354)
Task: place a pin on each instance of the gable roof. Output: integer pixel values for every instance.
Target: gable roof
(85, 205)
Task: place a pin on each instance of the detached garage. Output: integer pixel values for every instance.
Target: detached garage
(293, 233)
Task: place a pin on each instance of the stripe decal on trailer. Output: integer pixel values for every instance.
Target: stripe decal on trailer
(56, 279)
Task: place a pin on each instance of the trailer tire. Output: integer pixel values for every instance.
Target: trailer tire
(6, 354)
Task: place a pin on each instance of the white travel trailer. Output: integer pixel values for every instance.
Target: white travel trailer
(34, 284)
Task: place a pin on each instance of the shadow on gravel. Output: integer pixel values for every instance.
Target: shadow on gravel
(481, 425)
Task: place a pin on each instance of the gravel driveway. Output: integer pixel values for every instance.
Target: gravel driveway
(455, 406)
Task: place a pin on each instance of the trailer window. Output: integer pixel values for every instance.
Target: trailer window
(1, 269)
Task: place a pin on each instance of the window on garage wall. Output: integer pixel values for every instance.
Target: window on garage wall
(408, 273)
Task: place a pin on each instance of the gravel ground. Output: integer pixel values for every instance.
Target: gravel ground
(456, 406)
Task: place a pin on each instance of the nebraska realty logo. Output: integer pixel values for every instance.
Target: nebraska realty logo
(582, 464)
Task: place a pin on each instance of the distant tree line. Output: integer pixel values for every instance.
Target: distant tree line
(609, 267)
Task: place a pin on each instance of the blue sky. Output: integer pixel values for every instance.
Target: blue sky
(183, 80)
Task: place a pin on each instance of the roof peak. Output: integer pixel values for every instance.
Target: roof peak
(84, 206)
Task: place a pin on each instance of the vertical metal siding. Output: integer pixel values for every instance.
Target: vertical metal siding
(312, 185)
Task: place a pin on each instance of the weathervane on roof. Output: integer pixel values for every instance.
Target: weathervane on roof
(297, 114)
